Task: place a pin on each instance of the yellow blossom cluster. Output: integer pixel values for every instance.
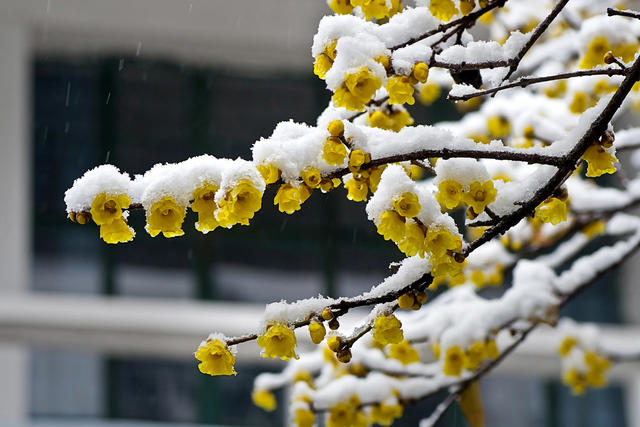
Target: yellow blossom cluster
(590, 373)
(456, 358)
(477, 195)
(395, 120)
(401, 88)
(372, 9)
(348, 413)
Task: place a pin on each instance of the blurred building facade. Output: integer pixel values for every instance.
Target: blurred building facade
(99, 333)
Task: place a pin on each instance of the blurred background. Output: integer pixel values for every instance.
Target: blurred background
(98, 335)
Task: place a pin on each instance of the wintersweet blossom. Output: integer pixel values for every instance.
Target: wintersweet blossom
(444, 10)
(407, 205)
(400, 90)
(599, 161)
(357, 90)
(384, 414)
(239, 204)
(106, 208)
(278, 340)
(449, 194)
(290, 198)
(387, 330)
(334, 151)
(391, 226)
(116, 231)
(205, 205)
(215, 358)
(264, 399)
(552, 211)
(480, 195)
(166, 217)
(404, 353)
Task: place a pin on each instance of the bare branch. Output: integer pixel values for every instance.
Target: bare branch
(527, 81)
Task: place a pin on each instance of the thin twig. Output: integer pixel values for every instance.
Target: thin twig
(539, 30)
(628, 14)
(527, 81)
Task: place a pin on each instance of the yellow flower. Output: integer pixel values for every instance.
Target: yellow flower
(357, 190)
(356, 159)
(448, 267)
(552, 211)
(449, 194)
(599, 161)
(215, 358)
(480, 195)
(596, 362)
(400, 119)
(264, 399)
(317, 332)
(443, 10)
(575, 380)
(581, 101)
(404, 353)
(373, 8)
(498, 126)
(321, 65)
(289, 198)
(311, 176)
(439, 241)
(239, 204)
(594, 229)
(566, 346)
(406, 301)
(429, 93)
(387, 330)
(625, 51)
(435, 349)
(378, 119)
(474, 355)
(166, 216)
(330, 50)
(336, 128)
(303, 376)
(556, 90)
(467, 6)
(407, 205)
(341, 7)
(420, 72)
(391, 226)
(453, 361)
(375, 173)
(413, 241)
(346, 414)
(278, 340)
(334, 151)
(595, 52)
(400, 90)
(491, 349)
(384, 414)
(205, 205)
(117, 231)
(305, 417)
(270, 173)
(106, 208)
(357, 90)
